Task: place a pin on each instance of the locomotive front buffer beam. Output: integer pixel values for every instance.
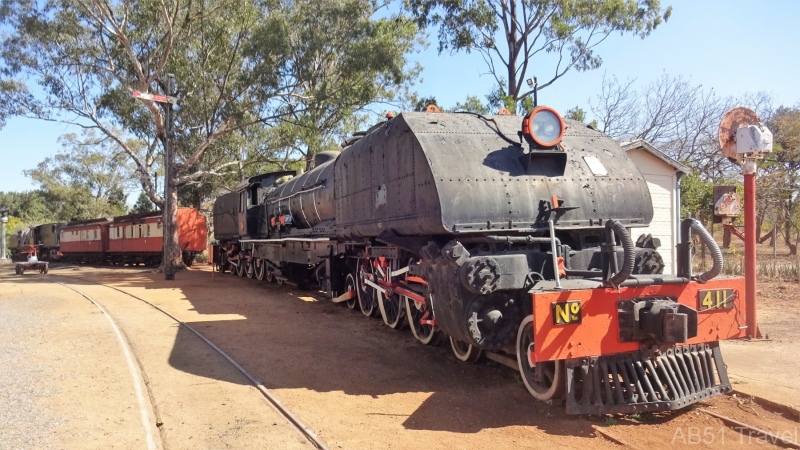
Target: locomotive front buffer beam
(637, 349)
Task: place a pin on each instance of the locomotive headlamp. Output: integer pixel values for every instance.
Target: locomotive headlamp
(544, 126)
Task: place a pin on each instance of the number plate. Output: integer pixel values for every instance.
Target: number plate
(565, 313)
(710, 299)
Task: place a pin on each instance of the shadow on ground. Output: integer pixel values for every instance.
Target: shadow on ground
(294, 339)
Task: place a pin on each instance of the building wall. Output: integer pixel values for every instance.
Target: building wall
(661, 179)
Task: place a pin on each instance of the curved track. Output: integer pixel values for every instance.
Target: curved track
(147, 407)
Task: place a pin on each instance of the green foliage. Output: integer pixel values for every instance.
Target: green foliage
(422, 103)
(697, 197)
(779, 176)
(514, 36)
(472, 104)
(87, 179)
(29, 207)
(498, 98)
(577, 113)
(307, 69)
(14, 225)
(143, 205)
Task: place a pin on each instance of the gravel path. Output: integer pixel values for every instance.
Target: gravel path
(24, 422)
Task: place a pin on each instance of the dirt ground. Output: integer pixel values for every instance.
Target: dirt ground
(361, 385)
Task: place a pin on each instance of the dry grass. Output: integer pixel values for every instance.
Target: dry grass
(771, 264)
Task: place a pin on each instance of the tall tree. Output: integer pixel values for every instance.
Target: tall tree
(472, 104)
(779, 176)
(234, 61)
(87, 179)
(345, 60)
(514, 37)
(676, 115)
(143, 205)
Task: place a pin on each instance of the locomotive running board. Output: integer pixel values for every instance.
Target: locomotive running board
(627, 383)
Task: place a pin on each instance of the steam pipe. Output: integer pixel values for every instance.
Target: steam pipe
(695, 226)
(629, 255)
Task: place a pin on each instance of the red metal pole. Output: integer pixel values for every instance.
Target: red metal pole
(749, 171)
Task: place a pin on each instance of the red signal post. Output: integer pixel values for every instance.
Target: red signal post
(749, 172)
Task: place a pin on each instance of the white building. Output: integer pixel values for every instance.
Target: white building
(663, 175)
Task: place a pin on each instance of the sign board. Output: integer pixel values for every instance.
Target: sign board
(154, 97)
(719, 191)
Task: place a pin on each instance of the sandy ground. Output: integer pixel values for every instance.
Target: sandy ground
(82, 391)
(356, 383)
(769, 368)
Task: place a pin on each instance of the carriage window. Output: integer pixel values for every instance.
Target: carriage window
(148, 229)
(95, 235)
(140, 231)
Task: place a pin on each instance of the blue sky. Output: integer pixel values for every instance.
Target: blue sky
(731, 46)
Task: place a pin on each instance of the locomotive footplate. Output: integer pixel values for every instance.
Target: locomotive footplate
(636, 382)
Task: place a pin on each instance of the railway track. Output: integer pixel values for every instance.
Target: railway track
(144, 397)
(738, 427)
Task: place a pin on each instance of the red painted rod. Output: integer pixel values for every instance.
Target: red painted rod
(749, 171)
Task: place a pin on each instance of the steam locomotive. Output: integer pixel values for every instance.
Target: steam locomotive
(507, 235)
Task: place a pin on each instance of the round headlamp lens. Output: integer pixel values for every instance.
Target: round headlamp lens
(545, 126)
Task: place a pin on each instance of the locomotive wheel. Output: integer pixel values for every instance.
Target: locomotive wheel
(366, 296)
(425, 334)
(464, 351)
(260, 270)
(350, 285)
(550, 383)
(392, 310)
(240, 268)
(366, 300)
(249, 270)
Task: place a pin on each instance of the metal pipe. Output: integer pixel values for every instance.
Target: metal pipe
(554, 251)
(584, 273)
(629, 255)
(716, 253)
(650, 281)
(709, 242)
(749, 171)
(677, 224)
(508, 240)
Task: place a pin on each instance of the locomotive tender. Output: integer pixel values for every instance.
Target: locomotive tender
(505, 234)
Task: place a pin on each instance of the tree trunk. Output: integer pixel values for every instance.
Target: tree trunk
(726, 238)
(787, 237)
(759, 223)
(171, 260)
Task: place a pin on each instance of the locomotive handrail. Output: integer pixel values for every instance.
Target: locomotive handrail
(318, 185)
(508, 240)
